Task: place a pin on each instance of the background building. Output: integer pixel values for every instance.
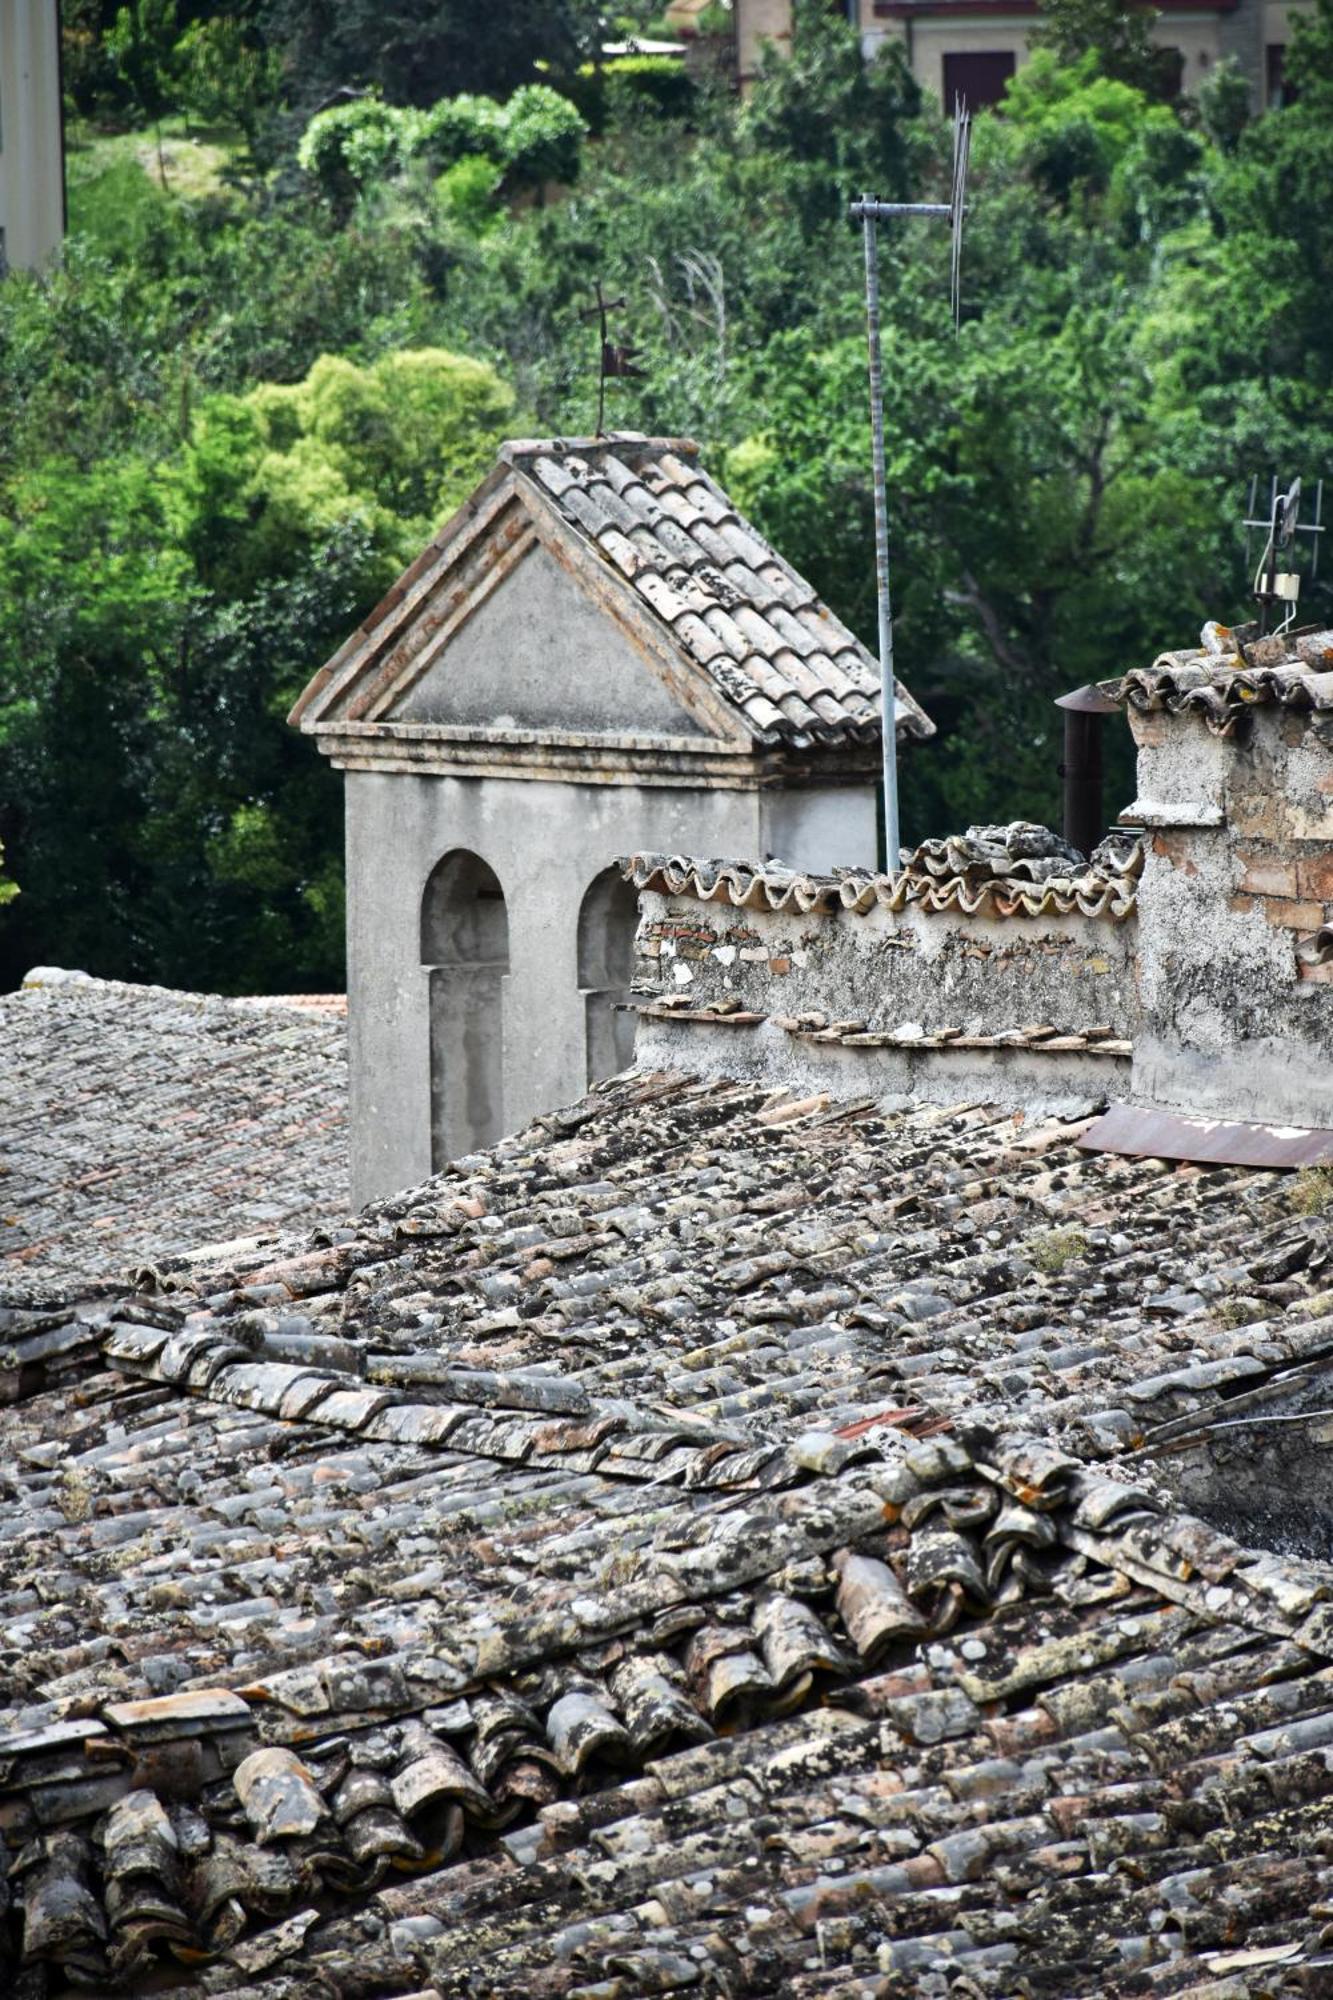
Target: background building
(971, 48)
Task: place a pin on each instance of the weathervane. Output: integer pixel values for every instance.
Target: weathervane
(615, 359)
(870, 212)
(1281, 525)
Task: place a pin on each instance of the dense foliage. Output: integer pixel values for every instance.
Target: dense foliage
(232, 411)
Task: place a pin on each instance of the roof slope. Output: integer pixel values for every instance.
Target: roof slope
(658, 534)
(687, 1548)
(137, 1122)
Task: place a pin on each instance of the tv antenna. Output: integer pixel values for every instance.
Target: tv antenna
(616, 358)
(1278, 581)
(870, 213)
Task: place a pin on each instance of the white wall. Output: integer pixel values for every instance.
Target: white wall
(546, 842)
(32, 167)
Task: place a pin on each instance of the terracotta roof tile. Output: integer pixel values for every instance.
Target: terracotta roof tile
(711, 1540)
(718, 587)
(1231, 673)
(137, 1123)
(1015, 871)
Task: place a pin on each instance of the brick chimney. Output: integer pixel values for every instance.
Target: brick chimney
(1235, 949)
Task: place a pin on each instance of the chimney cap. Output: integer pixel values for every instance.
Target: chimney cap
(1087, 700)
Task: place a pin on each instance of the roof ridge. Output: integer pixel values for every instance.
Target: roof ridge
(49, 978)
(617, 444)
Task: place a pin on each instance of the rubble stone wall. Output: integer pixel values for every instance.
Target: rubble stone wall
(890, 967)
(909, 1004)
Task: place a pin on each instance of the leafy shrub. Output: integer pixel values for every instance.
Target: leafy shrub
(535, 138)
(626, 87)
(542, 135)
(350, 145)
(466, 193)
(459, 128)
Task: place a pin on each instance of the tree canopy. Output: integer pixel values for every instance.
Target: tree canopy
(229, 413)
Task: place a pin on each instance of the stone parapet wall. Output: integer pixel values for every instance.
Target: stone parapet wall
(842, 991)
(939, 971)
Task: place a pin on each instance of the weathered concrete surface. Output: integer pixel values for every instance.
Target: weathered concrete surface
(1059, 1086)
(539, 654)
(912, 970)
(979, 974)
(1239, 870)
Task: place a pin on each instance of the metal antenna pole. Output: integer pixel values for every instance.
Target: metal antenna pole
(869, 212)
(888, 692)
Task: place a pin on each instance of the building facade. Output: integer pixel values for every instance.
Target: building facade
(970, 48)
(596, 655)
(32, 147)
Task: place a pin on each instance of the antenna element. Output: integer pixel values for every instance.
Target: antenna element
(1281, 525)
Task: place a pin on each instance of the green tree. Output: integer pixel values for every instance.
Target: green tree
(1118, 37)
(391, 449)
(142, 43)
(1224, 104)
(166, 613)
(418, 51)
(850, 123)
(227, 78)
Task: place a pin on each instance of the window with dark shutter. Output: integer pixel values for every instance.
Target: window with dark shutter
(978, 77)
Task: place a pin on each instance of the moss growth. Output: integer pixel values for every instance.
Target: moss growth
(74, 1497)
(1058, 1247)
(1312, 1190)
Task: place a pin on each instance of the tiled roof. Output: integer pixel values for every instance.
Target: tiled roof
(653, 517)
(1231, 673)
(137, 1122)
(687, 1548)
(764, 668)
(1011, 871)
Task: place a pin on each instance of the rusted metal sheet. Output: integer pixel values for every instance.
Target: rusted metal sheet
(1147, 1133)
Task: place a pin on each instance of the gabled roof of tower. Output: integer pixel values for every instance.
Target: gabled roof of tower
(662, 549)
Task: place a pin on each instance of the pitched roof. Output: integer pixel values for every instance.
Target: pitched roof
(136, 1122)
(662, 537)
(692, 1545)
(1231, 673)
